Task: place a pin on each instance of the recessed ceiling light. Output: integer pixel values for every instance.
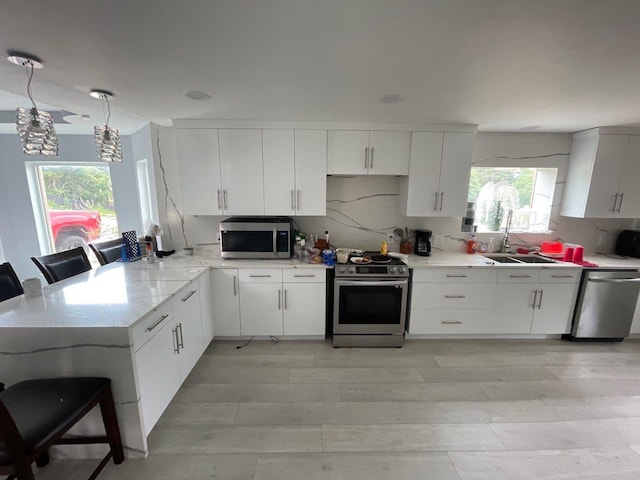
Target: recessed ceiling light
(75, 118)
(197, 95)
(530, 128)
(100, 94)
(391, 98)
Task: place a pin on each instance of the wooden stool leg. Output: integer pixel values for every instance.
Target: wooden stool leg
(43, 460)
(108, 410)
(23, 471)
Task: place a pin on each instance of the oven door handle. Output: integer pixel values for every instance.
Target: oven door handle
(375, 283)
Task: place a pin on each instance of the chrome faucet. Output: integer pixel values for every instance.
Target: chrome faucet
(504, 248)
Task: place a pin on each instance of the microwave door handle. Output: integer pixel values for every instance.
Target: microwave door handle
(275, 241)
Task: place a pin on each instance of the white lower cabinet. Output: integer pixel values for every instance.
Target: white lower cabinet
(226, 302)
(282, 301)
(168, 343)
(206, 308)
(500, 301)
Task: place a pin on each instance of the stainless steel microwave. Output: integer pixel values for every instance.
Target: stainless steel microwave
(256, 237)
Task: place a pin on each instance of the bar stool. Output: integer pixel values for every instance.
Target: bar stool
(108, 251)
(9, 284)
(61, 265)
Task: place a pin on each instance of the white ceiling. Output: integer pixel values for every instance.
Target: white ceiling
(502, 64)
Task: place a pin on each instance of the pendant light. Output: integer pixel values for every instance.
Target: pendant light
(107, 138)
(35, 127)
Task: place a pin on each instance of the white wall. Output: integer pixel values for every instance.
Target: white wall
(362, 210)
(17, 223)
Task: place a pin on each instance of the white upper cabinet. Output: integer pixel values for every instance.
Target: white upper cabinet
(439, 169)
(242, 175)
(199, 171)
(354, 152)
(604, 170)
(295, 172)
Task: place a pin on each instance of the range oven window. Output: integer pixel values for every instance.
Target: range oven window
(370, 305)
(247, 241)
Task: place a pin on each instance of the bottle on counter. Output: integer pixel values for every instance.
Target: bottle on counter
(384, 248)
(490, 247)
(472, 244)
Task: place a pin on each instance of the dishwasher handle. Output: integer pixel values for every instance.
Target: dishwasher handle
(615, 280)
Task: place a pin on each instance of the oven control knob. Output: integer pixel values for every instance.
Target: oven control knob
(392, 269)
(402, 269)
(352, 269)
(342, 269)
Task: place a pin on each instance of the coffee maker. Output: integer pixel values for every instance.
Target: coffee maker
(423, 243)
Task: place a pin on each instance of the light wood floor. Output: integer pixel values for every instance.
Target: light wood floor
(436, 409)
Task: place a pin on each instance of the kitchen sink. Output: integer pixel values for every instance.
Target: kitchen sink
(518, 259)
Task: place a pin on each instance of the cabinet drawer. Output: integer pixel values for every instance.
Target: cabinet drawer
(188, 293)
(518, 275)
(452, 295)
(454, 275)
(560, 275)
(301, 275)
(260, 275)
(451, 322)
(151, 324)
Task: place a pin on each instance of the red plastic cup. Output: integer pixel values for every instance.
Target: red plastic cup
(568, 255)
(578, 254)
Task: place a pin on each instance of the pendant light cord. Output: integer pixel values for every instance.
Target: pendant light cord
(106, 115)
(28, 64)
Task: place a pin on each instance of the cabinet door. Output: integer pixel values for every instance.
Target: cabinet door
(420, 188)
(242, 175)
(279, 181)
(199, 171)
(514, 307)
(157, 373)
(304, 308)
(630, 207)
(348, 152)
(388, 153)
(261, 308)
(186, 308)
(311, 172)
(457, 151)
(555, 311)
(606, 175)
(206, 308)
(226, 302)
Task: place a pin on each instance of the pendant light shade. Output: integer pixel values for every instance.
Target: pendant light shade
(35, 127)
(107, 138)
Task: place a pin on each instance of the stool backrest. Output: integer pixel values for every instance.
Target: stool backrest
(61, 265)
(9, 284)
(107, 252)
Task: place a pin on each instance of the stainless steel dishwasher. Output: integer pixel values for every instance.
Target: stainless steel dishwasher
(606, 304)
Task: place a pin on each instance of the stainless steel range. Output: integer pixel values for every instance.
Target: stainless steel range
(370, 302)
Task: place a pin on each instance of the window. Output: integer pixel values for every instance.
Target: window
(73, 204)
(528, 192)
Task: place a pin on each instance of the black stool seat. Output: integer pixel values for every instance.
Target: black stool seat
(35, 414)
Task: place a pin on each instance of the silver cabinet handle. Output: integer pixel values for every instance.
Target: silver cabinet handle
(366, 157)
(455, 322)
(235, 286)
(279, 299)
(298, 203)
(181, 345)
(293, 205)
(455, 296)
(535, 296)
(219, 205)
(224, 197)
(561, 276)
(435, 205)
(519, 276)
(441, 200)
(189, 295)
(259, 276)
(615, 202)
(540, 300)
(304, 276)
(371, 159)
(614, 280)
(176, 344)
(285, 299)
(620, 206)
(158, 322)
(456, 276)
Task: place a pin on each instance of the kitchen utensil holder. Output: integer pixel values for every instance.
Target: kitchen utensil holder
(405, 247)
